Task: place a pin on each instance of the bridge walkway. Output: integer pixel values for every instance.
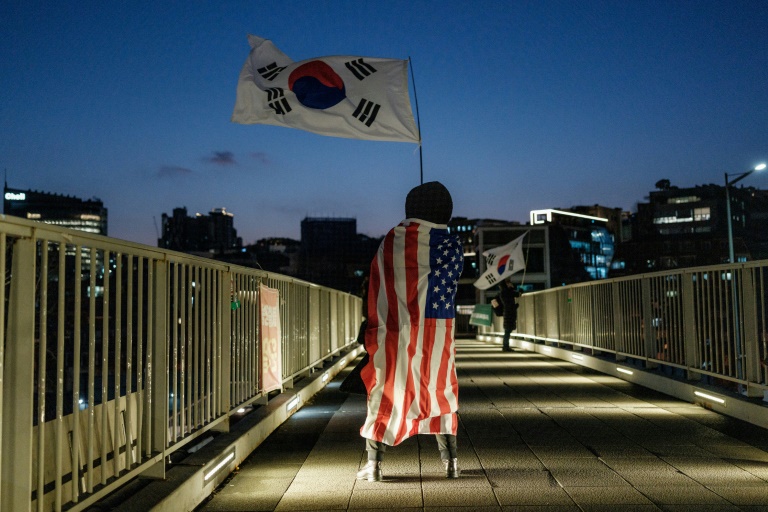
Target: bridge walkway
(536, 434)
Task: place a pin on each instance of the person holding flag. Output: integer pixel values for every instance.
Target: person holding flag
(411, 374)
(506, 305)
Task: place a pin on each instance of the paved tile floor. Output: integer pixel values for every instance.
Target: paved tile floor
(536, 434)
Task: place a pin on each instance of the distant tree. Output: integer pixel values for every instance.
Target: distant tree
(663, 184)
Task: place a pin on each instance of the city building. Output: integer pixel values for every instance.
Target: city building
(590, 235)
(333, 254)
(756, 234)
(87, 215)
(277, 255)
(688, 227)
(205, 235)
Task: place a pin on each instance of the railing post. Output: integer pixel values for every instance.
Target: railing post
(226, 341)
(18, 381)
(689, 326)
(158, 373)
(649, 341)
(313, 323)
(551, 317)
(749, 333)
(618, 322)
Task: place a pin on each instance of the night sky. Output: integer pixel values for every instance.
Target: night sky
(523, 105)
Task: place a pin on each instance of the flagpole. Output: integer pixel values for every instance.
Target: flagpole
(418, 122)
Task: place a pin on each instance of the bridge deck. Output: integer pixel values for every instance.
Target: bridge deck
(535, 434)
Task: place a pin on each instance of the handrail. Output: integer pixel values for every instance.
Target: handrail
(703, 323)
(115, 355)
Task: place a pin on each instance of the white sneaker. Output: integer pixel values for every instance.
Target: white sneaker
(371, 472)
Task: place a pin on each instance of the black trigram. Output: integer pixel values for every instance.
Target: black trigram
(490, 259)
(270, 71)
(276, 100)
(491, 278)
(366, 112)
(360, 69)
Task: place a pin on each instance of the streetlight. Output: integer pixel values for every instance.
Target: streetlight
(731, 259)
(739, 177)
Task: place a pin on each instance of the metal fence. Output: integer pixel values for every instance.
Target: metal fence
(705, 322)
(114, 355)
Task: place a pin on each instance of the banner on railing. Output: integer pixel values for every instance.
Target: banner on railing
(271, 356)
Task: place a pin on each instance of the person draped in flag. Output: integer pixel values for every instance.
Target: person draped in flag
(411, 375)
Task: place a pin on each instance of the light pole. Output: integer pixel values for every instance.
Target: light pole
(738, 177)
(731, 259)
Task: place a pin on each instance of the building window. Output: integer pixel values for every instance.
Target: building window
(701, 214)
(685, 199)
(668, 262)
(697, 215)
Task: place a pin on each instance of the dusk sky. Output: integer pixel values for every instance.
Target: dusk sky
(523, 105)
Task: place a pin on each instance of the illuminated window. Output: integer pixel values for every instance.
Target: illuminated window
(701, 214)
(678, 217)
(685, 199)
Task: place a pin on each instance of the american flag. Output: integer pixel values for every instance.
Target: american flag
(411, 377)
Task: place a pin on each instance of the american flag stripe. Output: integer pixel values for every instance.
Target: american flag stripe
(403, 251)
(389, 342)
(412, 238)
(412, 382)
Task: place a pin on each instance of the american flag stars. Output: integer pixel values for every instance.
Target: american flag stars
(446, 263)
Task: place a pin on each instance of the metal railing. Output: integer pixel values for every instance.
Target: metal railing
(701, 322)
(114, 355)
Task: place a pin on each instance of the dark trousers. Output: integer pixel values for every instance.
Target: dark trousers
(446, 443)
(505, 340)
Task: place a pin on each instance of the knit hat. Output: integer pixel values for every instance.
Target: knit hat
(430, 201)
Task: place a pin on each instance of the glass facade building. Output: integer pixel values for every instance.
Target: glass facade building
(588, 236)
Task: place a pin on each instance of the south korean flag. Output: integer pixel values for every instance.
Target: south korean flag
(502, 262)
(354, 97)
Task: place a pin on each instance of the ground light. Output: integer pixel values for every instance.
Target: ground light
(709, 397)
(218, 467)
(292, 403)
